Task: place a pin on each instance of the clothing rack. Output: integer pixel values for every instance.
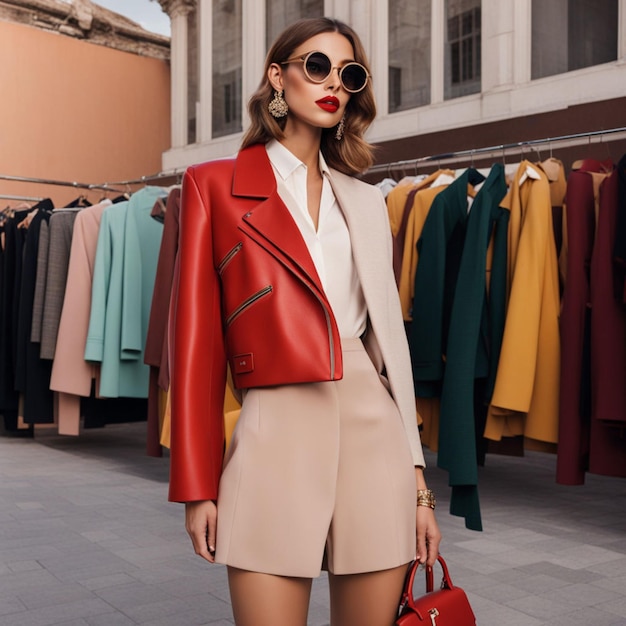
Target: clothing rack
(108, 186)
(151, 177)
(20, 198)
(61, 183)
(501, 150)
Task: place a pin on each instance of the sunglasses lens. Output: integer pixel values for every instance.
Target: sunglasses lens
(317, 66)
(353, 76)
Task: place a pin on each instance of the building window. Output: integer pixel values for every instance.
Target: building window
(571, 34)
(462, 52)
(280, 13)
(409, 54)
(192, 75)
(227, 51)
(395, 88)
(231, 99)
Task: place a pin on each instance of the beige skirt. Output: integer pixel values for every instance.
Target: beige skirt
(319, 473)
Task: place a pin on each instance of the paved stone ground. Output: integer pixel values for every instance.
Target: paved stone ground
(87, 538)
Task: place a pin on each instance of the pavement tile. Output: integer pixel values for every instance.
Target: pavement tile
(60, 594)
(586, 616)
(10, 604)
(24, 566)
(615, 606)
(204, 605)
(614, 583)
(111, 580)
(132, 595)
(87, 538)
(47, 616)
(110, 619)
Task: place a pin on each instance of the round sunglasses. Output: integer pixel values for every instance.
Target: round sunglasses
(318, 67)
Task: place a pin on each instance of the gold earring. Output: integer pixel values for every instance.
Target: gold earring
(278, 107)
(340, 128)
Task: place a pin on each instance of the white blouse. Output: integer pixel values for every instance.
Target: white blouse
(329, 246)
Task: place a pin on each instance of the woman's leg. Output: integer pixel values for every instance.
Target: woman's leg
(266, 600)
(369, 599)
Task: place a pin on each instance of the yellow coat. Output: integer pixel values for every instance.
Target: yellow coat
(526, 395)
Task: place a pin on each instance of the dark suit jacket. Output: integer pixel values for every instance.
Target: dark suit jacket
(32, 374)
(60, 243)
(11, 281)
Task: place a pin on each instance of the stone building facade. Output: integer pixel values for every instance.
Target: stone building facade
(449, 75)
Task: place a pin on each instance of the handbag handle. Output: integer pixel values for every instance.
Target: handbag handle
(455, 605)
(407, 594)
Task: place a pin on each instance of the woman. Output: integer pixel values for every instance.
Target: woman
(285, 274)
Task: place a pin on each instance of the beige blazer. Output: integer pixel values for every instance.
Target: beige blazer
(366, 214)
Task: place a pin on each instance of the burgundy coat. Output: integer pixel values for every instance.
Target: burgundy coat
(156, 353)
(607, 443)
(574, 409)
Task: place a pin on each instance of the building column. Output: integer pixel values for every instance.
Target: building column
(497, 43)
(253, 52)
(178, 10)
(522, 41)
(621, 30)
(437, 51)
(378, 52)
(205, 64)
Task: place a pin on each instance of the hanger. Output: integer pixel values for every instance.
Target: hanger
(529, 172)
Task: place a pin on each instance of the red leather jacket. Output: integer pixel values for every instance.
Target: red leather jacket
(247, 293)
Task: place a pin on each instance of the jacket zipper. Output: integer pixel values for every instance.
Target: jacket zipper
(331, 343)
(248, 302)
(228, 258)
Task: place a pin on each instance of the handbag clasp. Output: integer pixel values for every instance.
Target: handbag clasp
(434, 613)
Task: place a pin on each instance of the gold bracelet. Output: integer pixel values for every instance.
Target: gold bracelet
(425, 497)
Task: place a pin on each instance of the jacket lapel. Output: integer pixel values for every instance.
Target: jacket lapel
(270, 223)
(353, 200)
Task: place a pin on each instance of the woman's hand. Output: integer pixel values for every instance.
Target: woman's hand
(427, 530)
(428, 535)
(201, 525)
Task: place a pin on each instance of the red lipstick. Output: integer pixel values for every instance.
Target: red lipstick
(328, 103)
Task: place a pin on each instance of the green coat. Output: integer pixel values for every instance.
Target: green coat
(454, 336)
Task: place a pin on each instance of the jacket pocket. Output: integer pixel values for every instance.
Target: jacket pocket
(247, 303)
(228, 258)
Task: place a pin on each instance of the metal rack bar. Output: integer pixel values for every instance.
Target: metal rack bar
(61, 183)
(500, 150)
(22, 198)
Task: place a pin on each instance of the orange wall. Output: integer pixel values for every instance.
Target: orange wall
(76, 111)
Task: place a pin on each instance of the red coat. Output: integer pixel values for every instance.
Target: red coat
(240, 251)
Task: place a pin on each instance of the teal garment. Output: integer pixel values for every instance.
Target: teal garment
(469, 345)
(124, 272)
(141, 254)
(446, 218)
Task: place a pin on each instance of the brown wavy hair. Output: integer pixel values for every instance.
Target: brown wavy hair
(352, 155)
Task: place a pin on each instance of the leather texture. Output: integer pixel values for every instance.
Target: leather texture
(448, 606)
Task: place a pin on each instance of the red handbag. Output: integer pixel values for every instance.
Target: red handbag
(448, 606)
